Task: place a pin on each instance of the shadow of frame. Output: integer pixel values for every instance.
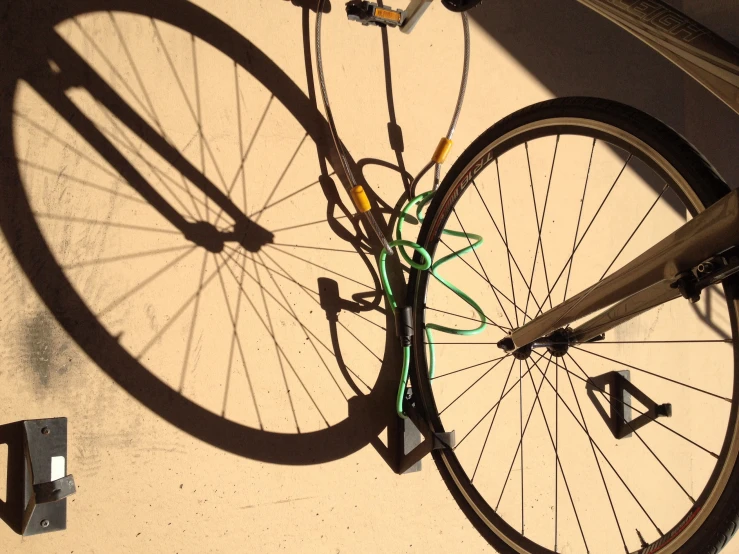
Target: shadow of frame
(573, 51)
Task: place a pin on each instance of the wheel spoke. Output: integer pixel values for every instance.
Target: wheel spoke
(579, 218)
(103, 223)
(556, 453)
(579, 242)
(492, 421)
(241, 140)
(284, 274)
(236, 343)
(245, 153)
(600, 280)
(654, 455)
(305, 330)
(339, 323)
(597, 462)
(468, 367)
(525, 427)
(282, 351)
(653, 374)
(123, 140)
(278, 349)
(584, 428)
(288, 196)
(641, 221)
(191, 332)
(158, 273)
(181, 310)
(120, 79)
(152, 113)
(504, 237)
(520, 419)
(136, 73)
(258, 214)
(512, 258)
(323, 249)
(473, 384)
(271, 271)
(68, 147)
(494, 289)
(197, 117)
(100, 261)
(301, 225)
(556, 457)
(89, 184)
(280, 249)
(176, 75)
(513, 386)
(487, 319)
(539, 225)
(237, 339)
(687, 341)
(590, 381)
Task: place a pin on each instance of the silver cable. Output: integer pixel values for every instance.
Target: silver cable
(324, 95)
(465, 73)
(329, 115)
(419, 177)
(462, 91)
(437, 175)
(369, 218)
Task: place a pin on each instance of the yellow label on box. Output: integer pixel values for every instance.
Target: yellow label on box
(387, 14)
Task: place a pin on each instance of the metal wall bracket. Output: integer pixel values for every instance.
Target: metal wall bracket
(619, 392)
(416, 439)
(39, 475)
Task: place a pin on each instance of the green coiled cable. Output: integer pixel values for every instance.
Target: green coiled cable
(475, 241)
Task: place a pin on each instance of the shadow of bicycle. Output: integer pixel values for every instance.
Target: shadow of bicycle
(154, 165)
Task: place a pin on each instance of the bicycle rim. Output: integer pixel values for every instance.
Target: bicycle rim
(551, 120)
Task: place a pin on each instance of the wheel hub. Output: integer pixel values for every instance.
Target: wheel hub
(205, 235)
(556, 343)
(245, 232)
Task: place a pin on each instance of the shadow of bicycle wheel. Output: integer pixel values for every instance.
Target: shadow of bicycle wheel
(227, 318)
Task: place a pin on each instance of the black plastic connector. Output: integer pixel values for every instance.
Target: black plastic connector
(460, 5)
(404, 325)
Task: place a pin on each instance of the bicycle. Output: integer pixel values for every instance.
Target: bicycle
(700, 254)
(690, 184)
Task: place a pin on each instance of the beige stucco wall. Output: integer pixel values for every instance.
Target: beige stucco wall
(291, 457)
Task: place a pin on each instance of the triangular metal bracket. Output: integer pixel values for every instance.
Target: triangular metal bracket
(619, 392)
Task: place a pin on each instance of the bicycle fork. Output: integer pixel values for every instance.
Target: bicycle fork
(701, 253)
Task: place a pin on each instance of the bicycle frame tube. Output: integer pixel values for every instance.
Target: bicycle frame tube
(701, 53)
(646, 281)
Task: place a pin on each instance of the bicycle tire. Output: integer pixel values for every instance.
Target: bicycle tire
(703, 530)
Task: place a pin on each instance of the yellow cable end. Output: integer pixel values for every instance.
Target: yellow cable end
(360, 199)
(442, 151)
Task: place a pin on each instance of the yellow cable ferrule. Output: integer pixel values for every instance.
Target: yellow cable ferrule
(360, 199)
(442, 151)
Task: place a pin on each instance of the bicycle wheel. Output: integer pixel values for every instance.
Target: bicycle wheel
(576, 453)
(221, 307)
